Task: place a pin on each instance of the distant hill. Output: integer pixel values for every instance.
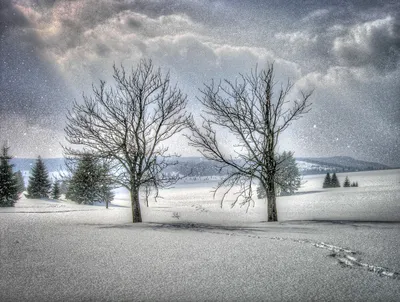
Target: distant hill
(198, 166)
(26, 164)
(316, 165)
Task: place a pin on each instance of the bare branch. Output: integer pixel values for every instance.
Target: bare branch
(128, 123)
(256, 113)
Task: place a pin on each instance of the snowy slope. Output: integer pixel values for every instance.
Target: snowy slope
(60, 251)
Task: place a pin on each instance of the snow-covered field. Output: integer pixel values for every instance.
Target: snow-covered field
(191, 249)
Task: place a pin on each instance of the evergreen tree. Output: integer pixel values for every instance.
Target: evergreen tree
(20, 181)
(8, 181)
(335, 181)
(55, 191)
(105, 191)
(346, 182)
(64, 186)
(39, 184)
(327, 181)
(90, 182)
(288, 179)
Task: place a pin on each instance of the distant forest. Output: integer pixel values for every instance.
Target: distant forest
(197, 166)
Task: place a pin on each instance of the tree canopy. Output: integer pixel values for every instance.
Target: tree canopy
(130, 124)
(256, 112)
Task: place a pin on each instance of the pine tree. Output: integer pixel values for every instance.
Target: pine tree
(39, 184)
(335, 181)
(8, 181)
(105, 191)
(82, 186)
(20, 181)
(55, 191)
(288, 178)
(327, 181)
(346, 182)
(64, 186)
(90, 182)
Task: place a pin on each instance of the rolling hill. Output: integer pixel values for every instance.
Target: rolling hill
(317, 165)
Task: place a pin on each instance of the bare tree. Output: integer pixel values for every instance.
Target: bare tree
(129, 124)
(256, 113)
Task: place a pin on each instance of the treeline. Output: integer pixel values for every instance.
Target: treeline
(88, 179)
(87, 182)
(333, 182)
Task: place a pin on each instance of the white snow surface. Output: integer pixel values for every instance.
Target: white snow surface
(329, 245)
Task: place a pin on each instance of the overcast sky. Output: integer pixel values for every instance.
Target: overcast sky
(348, 51)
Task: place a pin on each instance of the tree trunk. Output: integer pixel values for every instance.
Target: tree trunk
(136, 213)
(271, 199)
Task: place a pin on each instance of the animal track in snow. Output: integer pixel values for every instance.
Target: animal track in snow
(200, 208)
(347, 258)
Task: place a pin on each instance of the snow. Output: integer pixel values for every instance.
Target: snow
(191, 249)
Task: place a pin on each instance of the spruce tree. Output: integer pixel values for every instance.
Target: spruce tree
(64, 186)
(327, 181)
(90, 182)
(346, 183)
(288, 178)
(335, 181)
(105, 190)
(8, 181)
(55, 191)
(20, 181)
(39, 184)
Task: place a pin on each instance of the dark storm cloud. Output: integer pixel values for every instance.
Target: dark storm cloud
(33, 96)
(336, 47)
(134, 24)
(375, 43)
(102, 50)
(10, 17)
(29, 84)
(353, 34)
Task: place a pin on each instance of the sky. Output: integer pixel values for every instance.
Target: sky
(347, 51)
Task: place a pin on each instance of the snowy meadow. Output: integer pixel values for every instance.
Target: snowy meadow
(337, 244)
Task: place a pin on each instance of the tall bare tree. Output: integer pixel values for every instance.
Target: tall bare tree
(129, 124)
(256, 112)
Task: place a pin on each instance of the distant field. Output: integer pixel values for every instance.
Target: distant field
(376, 199)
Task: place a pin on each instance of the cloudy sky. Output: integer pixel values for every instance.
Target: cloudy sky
(348, 51)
